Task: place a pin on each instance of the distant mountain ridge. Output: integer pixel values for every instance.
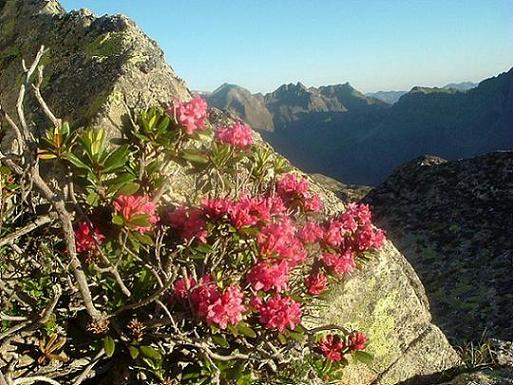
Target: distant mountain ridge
(392, 97)
(359, 139)
(288, 103)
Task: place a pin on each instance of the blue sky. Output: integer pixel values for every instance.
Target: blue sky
(373, 44)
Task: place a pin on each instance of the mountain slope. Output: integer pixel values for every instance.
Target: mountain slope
(389, 97)
(362, 147)
(289, 103)
(453, 222)
(243, 104)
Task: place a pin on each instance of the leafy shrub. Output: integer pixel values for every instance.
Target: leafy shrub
(212, 289)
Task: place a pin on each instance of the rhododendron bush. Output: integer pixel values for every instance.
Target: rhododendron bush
(214, 288)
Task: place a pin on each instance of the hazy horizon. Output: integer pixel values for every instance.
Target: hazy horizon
(373, 45)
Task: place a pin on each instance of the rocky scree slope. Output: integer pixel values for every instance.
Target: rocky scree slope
(97, 65)
(453, 220)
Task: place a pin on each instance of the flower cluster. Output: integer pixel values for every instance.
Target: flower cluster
(190, 223)
(281, 247)
(334, 348)
(137, 211)
(238, 135)
(349, 235)
(87, 237)
(214, 290)
(191, 115)
(216, 307)
(293, 190)
(278, 312)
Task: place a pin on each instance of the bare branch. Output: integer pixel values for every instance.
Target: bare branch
(21, 96)
(14, 126)
(38, 222)
(56, 199)
(57, 292)
(34, 379)
(83, 376)
(37, 92)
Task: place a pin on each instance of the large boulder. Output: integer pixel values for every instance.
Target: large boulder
(97, 65)
(94, 65)
(453, 221)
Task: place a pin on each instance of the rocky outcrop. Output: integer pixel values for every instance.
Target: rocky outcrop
(484, 377)
(454, 223)
(387, 300)
(93, 67)
(97, 65)
(346, 192)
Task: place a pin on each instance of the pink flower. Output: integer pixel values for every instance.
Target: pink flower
(249, 212)
(190, 223)
(227, 308)
(333, 233)
(182, 287)
(357, 341)
(316, 283)
(216, 208)
(203, 295)
(279, 313)
(87, 237)
(278, 240)
(267, 276)
(291, 184)
(368, 237)
(361, 212)
(133, 206)
(275, 205)
(331, 347)
(311, 232)
(191, 116)
(347, 222)
(378, 239)
(340, 264)
(312, 203)
(237, 135)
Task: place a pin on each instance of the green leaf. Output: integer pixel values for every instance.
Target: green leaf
(245, 330)
(142, 220)
(151, 352)
(120, 179)
(204, 248)
(98, 143)
(194, 156)
(145, 239)
(220, 340)
(92, 198)
(363, 357)
(134, 352)
(282, 339)
(296, 336)
(116, 159)
(234, 330)
(109, 346)
(128, 189)
(118, 220)
(76, 161)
